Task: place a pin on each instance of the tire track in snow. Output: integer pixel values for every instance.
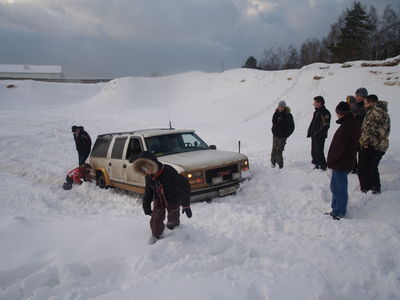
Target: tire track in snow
(274, 103)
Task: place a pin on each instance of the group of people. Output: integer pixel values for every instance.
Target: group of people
(83, 144)
(364, 130)
(165, 187)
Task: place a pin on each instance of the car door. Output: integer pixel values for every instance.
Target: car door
(135, 148)
(117, 162)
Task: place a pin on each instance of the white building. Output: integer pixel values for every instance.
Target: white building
(31, 72)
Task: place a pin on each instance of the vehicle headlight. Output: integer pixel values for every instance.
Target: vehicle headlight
(195, 177)
(244, 165)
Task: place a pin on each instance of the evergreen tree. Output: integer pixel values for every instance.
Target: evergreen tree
(251, 63)
(353, 35)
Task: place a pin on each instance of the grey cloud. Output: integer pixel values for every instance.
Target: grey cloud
(136, 37)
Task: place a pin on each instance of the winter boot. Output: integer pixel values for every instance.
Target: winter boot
(67, 186)
(152, 240)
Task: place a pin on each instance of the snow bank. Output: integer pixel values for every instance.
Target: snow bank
(270, 241)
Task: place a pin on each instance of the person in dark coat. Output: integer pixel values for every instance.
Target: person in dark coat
(342, 158)
(358, 109)
(83, 143)
(318, 132)
(282, 128)
(167, 189)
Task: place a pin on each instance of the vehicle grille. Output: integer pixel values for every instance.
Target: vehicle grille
(225, 172)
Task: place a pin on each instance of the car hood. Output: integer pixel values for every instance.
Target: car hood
(201, 159)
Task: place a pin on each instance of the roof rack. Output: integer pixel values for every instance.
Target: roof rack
(132, 132)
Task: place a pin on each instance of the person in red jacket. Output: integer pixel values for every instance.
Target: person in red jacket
(77, 175)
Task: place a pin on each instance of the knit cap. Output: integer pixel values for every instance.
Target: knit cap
(362, 92)
(282, 103)
(342, 108)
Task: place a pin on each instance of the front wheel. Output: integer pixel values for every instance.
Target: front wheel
(101, 181)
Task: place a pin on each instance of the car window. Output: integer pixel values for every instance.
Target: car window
(100, 147)
(134, 149)
(118, 148)
(175, 143)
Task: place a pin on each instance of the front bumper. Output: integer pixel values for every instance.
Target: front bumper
(215, 191)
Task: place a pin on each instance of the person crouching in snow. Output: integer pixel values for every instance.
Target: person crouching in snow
(75, 176)
(167, 189)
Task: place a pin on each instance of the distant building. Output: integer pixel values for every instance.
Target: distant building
(40, 72)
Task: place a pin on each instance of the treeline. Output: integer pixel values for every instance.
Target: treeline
(357, 35)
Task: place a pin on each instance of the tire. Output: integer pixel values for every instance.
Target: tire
(101, 181)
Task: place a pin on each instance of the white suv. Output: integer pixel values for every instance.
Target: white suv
(211, 172)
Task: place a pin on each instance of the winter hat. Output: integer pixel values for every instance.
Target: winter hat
(362, 92)
(282, 104)
(74, 128)
(149, 155)
(342, 108)
(372, 98)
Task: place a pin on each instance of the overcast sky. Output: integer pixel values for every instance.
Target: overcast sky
(115, 38)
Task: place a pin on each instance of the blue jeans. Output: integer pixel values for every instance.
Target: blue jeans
(339, 185)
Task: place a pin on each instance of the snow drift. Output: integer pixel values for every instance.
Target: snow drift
(269, 241)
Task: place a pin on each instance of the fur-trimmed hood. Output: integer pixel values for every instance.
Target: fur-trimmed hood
(147, 160)
(141, 164)
(286, 110)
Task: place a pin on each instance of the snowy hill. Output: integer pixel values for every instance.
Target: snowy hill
(270, 241)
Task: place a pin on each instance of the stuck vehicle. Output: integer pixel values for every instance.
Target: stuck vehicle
(210, 172)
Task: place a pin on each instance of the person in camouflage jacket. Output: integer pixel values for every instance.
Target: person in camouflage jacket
(374, 142)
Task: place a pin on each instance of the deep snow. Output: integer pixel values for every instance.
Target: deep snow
(269, 241)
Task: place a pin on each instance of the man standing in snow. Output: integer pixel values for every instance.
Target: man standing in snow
(83, 143)
(167, 189)
(342, 158)
(282, 128)
(357, 107)
(318, 132)
(374, 142)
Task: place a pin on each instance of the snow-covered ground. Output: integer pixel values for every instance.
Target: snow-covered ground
(269, 241)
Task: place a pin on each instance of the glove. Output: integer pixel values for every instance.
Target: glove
(147, 209)
(67, 186)
(188, 212)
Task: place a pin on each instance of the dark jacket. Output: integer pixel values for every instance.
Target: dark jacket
(176, 187)
(319, 124)
(344, 145)
(359, 110)
(282, 123)
(83, 141)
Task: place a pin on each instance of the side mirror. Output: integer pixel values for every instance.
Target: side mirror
(213, 147)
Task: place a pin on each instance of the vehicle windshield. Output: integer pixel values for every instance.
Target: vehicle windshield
(175, 143)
